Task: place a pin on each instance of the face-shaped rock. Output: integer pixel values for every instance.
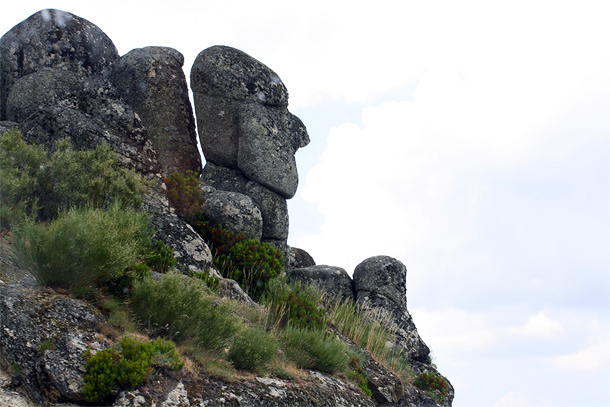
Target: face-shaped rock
(243, 118)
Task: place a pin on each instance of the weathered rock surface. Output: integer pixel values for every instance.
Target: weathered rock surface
(234, 212)
(53, 39)
(152, 82)
(380, 282)
(247, 134)
(299, 258)
(333, 280)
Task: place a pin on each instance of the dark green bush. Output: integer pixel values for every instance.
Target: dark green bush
(252, 264)
(218, 239)
(184, 193)
(311, 349)
(127, 365)
(37, 186)
(160, 257)
(82, 246)
(253, 350)
(210, 280)
(435, 385)
(187, 308)
(294, 304)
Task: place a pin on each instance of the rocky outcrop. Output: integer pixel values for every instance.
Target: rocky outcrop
(380, 282)
(248, 136)
(333, 280)
(151, 80)
(234, 212)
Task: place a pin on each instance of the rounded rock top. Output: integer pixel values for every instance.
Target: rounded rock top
(223, 71)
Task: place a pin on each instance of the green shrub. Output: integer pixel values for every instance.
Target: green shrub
(435, 385)
(218, 239)
(127, 365)
(160, 257)
(82, 246)
(187, 307)
(184, 193)
(294, 304)
(356, 373)
(253, 350)
(37, 186)
(210, 280)
(311, 349)
(252, 264)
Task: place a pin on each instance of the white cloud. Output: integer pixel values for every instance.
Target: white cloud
(539, 326)
(594, 357)
(519, 399)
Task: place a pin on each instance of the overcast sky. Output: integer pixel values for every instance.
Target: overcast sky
(468, 139)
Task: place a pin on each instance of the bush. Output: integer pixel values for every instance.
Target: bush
(252, 264)
(127, 366)
(160, 257)
(82, 246)
(253, 350)
(184, 193)
(435, 385)
(310, 349)
(294, 304)
(187, 308)
(218, 239)
(34, 185)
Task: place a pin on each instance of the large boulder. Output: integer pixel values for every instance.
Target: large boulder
(234, 212)
(243, 118)
(273, 207)
(152, 82)
(52, 39)
(380, 282)
(299, 258)
(333, 280)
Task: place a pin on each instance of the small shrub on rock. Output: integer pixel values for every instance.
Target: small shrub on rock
(311, 349)
(253, 350)
(435, 385)
(187, 308)
(127, 365)
(159, 257)
(82, 246)
(184, 193)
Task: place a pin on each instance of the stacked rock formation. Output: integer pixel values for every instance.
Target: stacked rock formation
(61, 76)
(247, 134)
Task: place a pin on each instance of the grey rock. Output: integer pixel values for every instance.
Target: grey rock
(332, 280)
(273, 207)
(383, 275)
(152, 82)
(190, 250)
(43, 88)
(266, 149)
(235, 212)
(299, 258)
(52, 38)
(380, 282)
(7, 126)
(228, 72)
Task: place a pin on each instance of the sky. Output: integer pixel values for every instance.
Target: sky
(468, 139)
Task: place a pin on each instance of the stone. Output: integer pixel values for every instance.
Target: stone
(43, 88)
(383, 275)
(234, 212)
(152, 82)
(243, 119)
(7, 126)
(380, 282)
(299, 258)
(333, 280)
(190, 250)
(54, 39)
(273, 207)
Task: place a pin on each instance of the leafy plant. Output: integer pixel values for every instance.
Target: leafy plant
(210, 280)
(127, 365)
(295, 304)
(82, 246)
(40, 187)
(356, 373)
(253, 350)
(218, 239)
(160, 257)
(435, 385)
(184, 193)
(252, 264)
(311, 349)
(187, 308)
